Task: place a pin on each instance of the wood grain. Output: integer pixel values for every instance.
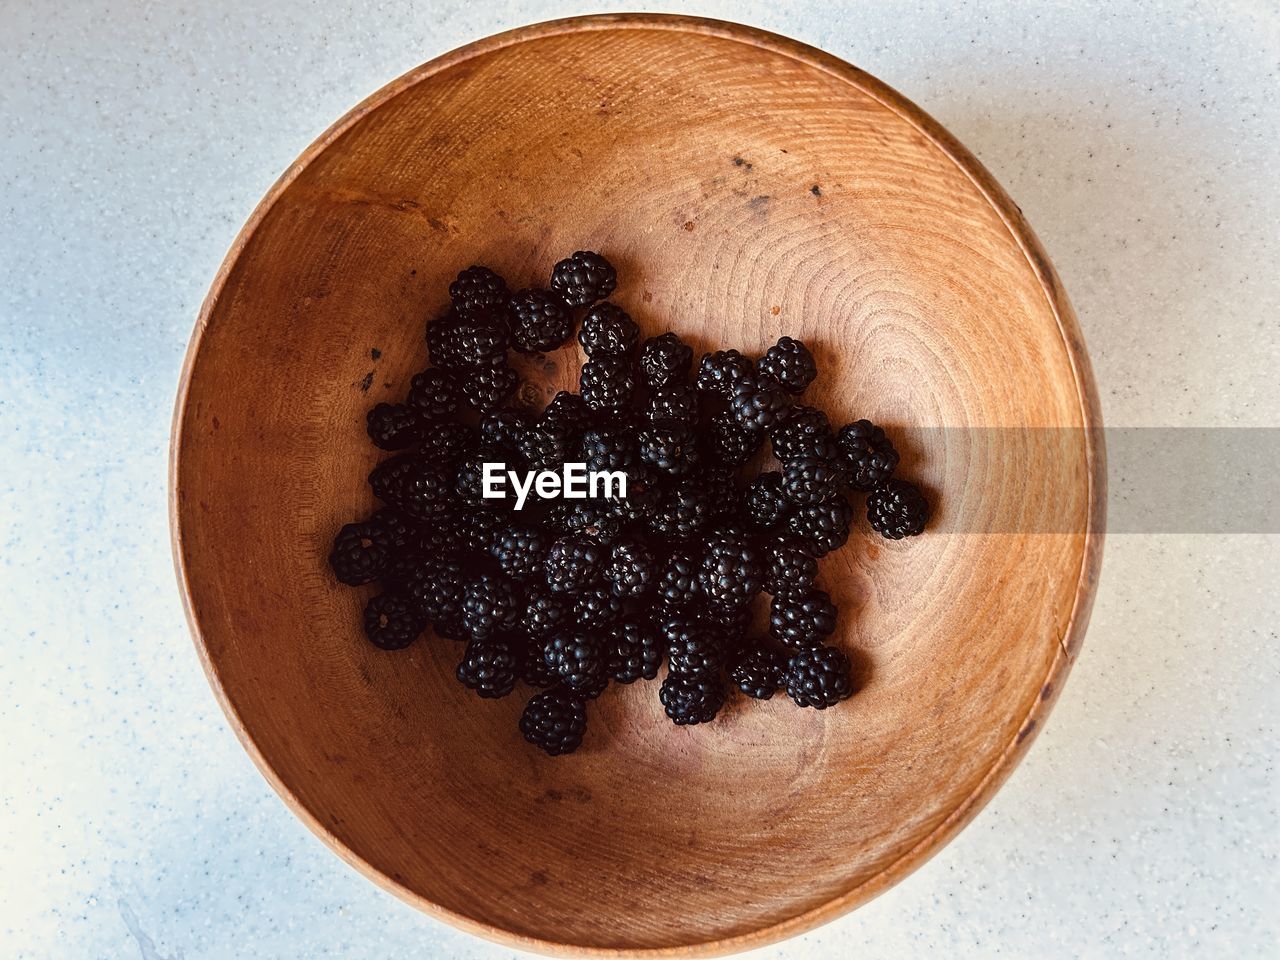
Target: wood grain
(746, 186)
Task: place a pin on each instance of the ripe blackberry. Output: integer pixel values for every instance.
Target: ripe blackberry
(731, 572)
(406, 536)
(519, 552)
(665, 359)
(412, 485)
(633, 652)
(393, 426)
(489, 604)
(764, 504)
(567, 415)
(729, 443)
(790, 364)
(721, 488)
(719, 371)
(868, 452)
(490, 666)
(803, 621)
(682, 512)
(809, 480)
(577, 660)
(434, 393)
(608, 448)
(392, 622)
(729, 622)
(533, 666)
(675, 401)
(572, 563)
(668, 446)
(822, 526)
(540, 321)
(478, 289)
(584, 278)
(591, 520)
(757, 404)
(608, 331)
(805, 432)
(486, 387)
(544, 448)
(468, 482)
(789, 567)
(756, 670)
(443, 345)
(692, 698)
(606, 383)
(477, 339)
(554, 721)
(477, 529)
(361, 552)
(502, 430)
(692, 645)
(818, 678)
(643, 492)
(545, 613)
(896, 510)
(434, 584)
(677, 583)
(629, 569)
(444, 443)
(595, 608)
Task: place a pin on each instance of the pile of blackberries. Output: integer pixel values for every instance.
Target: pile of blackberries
(567, 595)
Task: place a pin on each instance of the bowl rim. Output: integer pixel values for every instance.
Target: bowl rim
(1069, 643)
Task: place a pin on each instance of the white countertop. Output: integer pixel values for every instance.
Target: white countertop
(1142, 141)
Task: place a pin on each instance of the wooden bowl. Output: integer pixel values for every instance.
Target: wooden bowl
(747, 187)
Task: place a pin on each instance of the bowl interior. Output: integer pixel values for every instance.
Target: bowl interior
(745, 189)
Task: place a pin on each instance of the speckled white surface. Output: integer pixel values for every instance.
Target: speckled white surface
(1142, 141)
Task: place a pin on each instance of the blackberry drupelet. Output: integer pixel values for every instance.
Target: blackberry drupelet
(486, 387)
(729, 443)
(520, 552)
(478, 289)
(675, 401)
(868, 453)
(361, 552)
(629, 569)
(757, 404)
(489, 604)
(693, 646)
(731, 572)
(802, 621)
(677, 586)
(805, 432)
(413, 486)
(665, 359)
(633, 652)
(668, 446)
(577, 660)
(394, 426)
(490, 666)
(554, 721)
(818, 678)
(822, 526)
(584, 278)
(434, 393)
(719, 371)
(764, 504)
(545, 613)
(897, 509)
(608, 331)
(540, 321)
(790, 364)
(392, 622)
(810, 480)
(572, 563)
(756, 670)
(790, 568)
(606, 383)
(692, 698)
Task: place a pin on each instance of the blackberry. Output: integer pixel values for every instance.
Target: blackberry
(802, 621)
(789, 568)
(405, 535)
(731, 572)
(412, 485)
(566, 415)
(486, 387)
(478, 289)
(490, 666)
(391, 622)
(629, 569)
(756, 670)
(606, 383)
(608, 448)
(540, 321)
(897, 509)
(682, 512)
(554, 721)
(443, 345)
(790, 364)
(468, 482)
(444, 443)
(434, 584)
(545, 613)
(519, 552)
(805, 432)
(728, 443)
(818, 678)
(641, 501)
(675, 401)
(721, 488)
(809, 480)
(668, 446)
(489, 604)
(477, 529)
(868, 452)
(361, 552)
(719, 371)
(757, 404)
(571, 564)
(692, 645)
(544, 448)
(593, 521)
(729, 622)
(665, 359)
(393, 426)
(434, 393)
(595, 608)
(764, 504)
(477, 339)
(584, 278)
(633, 652)
(822, 526)
(677, 583)
(608, 330)
(533, 666)
(450, 628)
(576, 660)
(503, 430)
(692, 698)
